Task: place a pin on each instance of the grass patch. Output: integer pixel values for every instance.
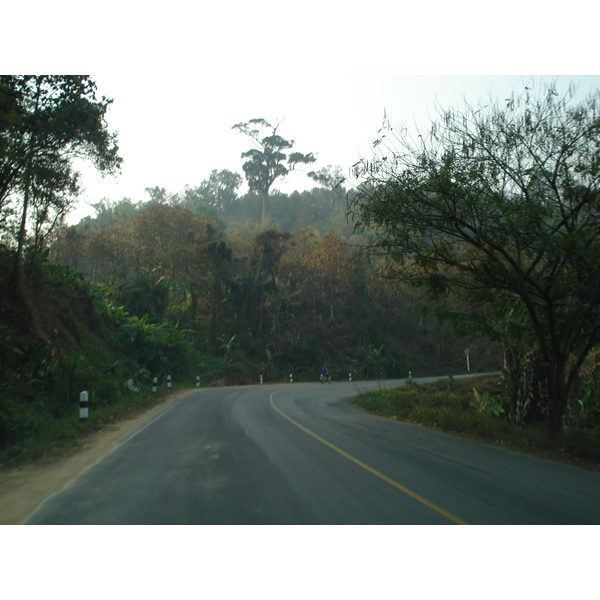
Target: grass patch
(472, 408)
(49, 437)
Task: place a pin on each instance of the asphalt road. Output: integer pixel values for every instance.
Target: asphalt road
(301, 454)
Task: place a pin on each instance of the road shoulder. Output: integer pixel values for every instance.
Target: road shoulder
(24, 488)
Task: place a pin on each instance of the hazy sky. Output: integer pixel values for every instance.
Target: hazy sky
(175, 132)
(182, 74)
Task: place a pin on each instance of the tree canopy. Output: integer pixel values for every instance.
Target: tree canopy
(499, 204)
(268, 161)
(48, 121)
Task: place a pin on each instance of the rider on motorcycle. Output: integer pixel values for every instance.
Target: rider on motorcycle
(325, 373)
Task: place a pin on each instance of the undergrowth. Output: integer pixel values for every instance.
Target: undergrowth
(473, 408)
(46, 436)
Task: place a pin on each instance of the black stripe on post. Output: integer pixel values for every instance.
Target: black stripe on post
(83, 405)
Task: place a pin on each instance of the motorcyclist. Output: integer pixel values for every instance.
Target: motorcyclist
(325, 372)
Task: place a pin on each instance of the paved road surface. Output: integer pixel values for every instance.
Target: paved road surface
(301, 454)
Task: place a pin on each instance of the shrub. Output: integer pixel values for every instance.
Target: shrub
(459, 407)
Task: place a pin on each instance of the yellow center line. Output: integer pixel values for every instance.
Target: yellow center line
(371, 470)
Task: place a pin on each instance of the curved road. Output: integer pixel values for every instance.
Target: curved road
(301, 454)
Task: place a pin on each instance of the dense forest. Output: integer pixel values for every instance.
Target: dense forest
(274, 298)
(205, 282)
(466, 245)
(157, 288)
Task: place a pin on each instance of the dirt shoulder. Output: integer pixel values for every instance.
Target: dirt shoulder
(24, 488)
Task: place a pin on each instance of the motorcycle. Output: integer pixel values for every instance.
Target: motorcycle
(325, 378)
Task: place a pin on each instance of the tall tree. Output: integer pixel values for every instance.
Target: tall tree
(52, 121)
(500, 206)
(268, 161)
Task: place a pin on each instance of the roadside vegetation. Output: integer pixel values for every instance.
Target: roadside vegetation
(474, 408)
(61, 334)
(59, 337)
(38, 435)
(480, 242)
(495, 217)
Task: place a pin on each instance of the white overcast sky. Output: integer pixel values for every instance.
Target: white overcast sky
(175, 131)
(182, 74)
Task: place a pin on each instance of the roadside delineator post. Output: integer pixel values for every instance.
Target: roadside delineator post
(349, 376)
(291, 378)
(154, 382)
(83, 406)
(130, 385)
(197, 380)
(261, 380)
(168, 382)
(467, 355)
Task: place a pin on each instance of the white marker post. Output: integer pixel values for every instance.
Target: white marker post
(467, 355)
(291, 378)
(83, 406)
(349, 376)
(168, 382)
(261, 380)
(197, 380)
(154, 382)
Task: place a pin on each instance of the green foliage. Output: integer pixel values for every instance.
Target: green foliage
(154, 347)
(145, 295)
(584, 404)
(31, 433)
(203, 282)
(41, 384)
(485, 402)
(98, 348)
(370, 362)
(53, 121)
(448, 405)
(228, 344)
(219, 192)
(495, 216)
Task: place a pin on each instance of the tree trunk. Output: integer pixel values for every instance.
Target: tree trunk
(511, 375)
(28, 173)
(22, 229)
(557, 396)
(266, 208)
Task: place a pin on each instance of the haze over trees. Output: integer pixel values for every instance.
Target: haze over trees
(293, 289)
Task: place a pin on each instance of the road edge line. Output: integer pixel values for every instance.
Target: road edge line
(371, 470)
